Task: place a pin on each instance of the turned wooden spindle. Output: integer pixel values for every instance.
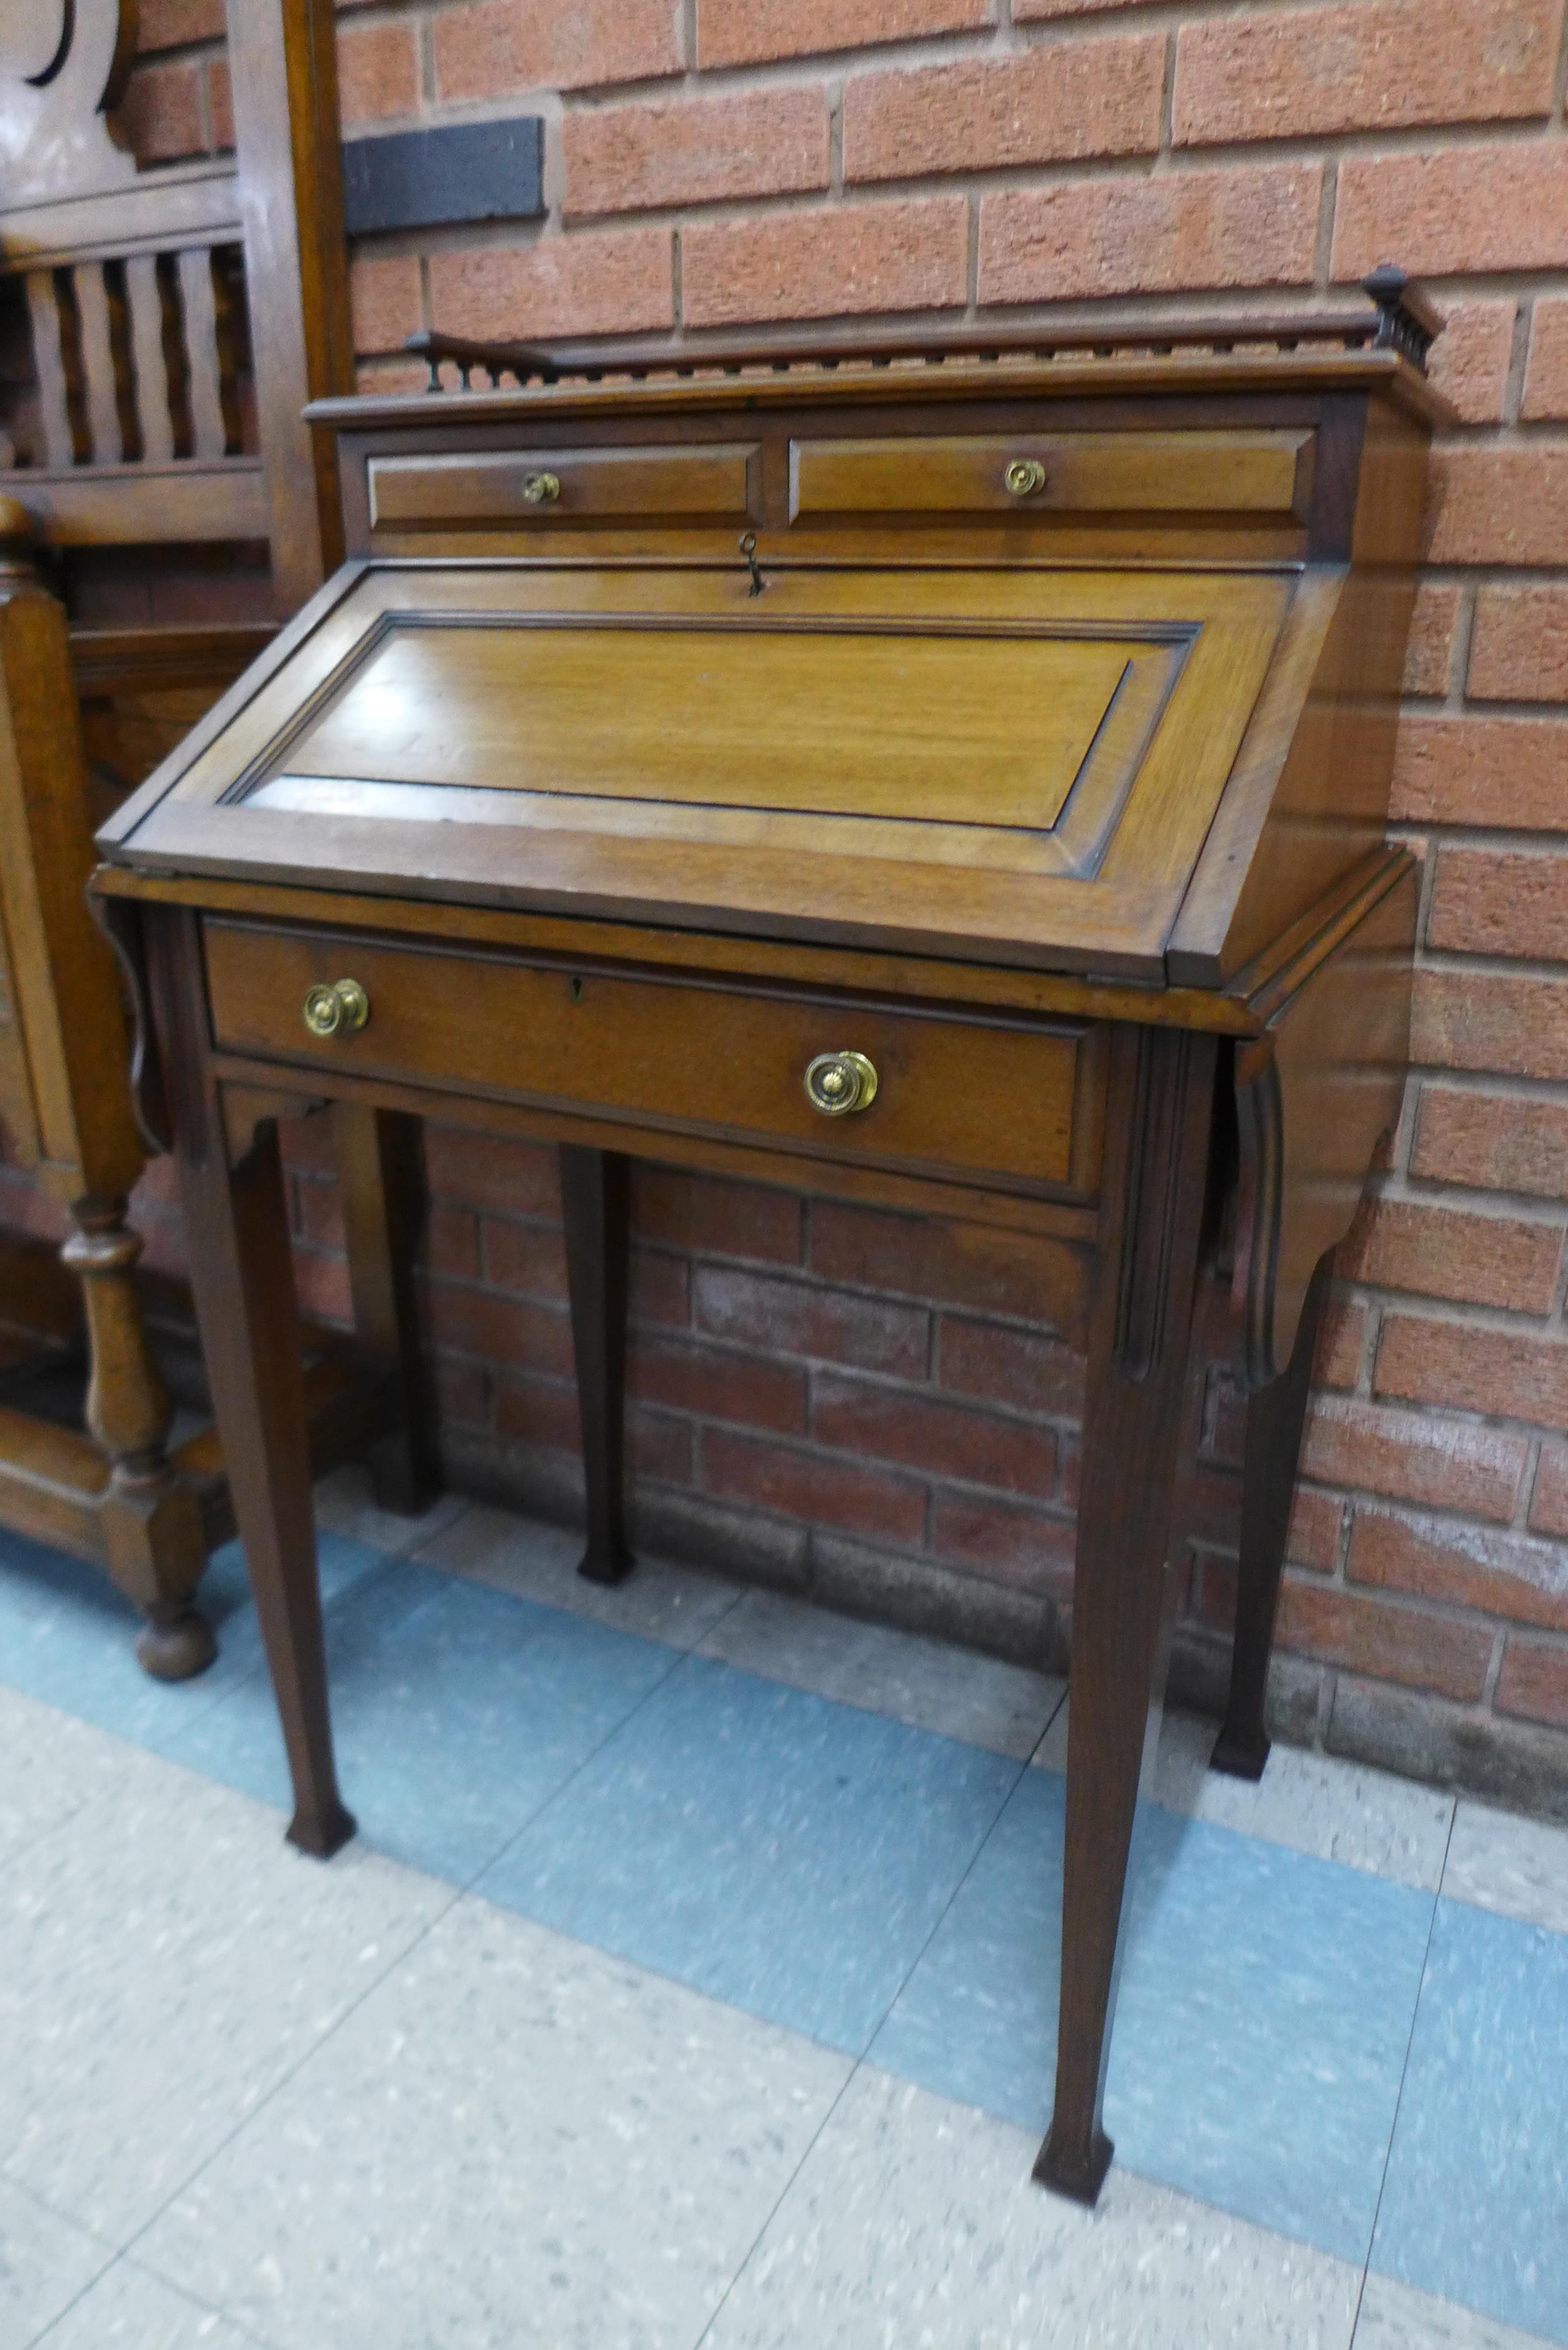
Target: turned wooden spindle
(73, 1121)
(146, 1514)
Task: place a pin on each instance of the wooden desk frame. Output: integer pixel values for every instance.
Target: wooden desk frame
(1234, 1074)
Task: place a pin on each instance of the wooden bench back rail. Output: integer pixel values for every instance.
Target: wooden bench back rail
(150, 396)
(123, 315)
(138, 358)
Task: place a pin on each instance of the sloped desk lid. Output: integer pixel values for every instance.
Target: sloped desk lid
(1017, 764)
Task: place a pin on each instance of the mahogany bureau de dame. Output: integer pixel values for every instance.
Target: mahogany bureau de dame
(951, 777)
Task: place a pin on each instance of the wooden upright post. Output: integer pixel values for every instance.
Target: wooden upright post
(284, 62)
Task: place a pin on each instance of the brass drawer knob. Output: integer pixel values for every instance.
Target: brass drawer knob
(542, 489)
(1023, 476)
(836, 1083)
(341, 1003)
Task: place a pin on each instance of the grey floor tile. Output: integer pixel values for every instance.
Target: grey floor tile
(50, 1765)
(344, 1507)
(163, 1962)
(926, 1683)
(513, 2142)
(914, 2222)
(763, 1846)
(1261, 2025)
(657, 1600)
(67, 1637)
(1475, 2199)
(1397, 2317)
(457, 1713)
(1311, 1803)
(129, 2309)
(44, 2264)
(1516, 1866)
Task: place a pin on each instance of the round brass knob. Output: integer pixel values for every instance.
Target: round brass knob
(836, 1083)
(341, 1003)
(1023, 476)
(542, 489)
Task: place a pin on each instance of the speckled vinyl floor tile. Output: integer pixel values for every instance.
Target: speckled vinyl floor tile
(45, 2262)
(67, 1636)
(1475, 2207)
(513, 2143)
(1261, 2024)
(127, 2309)
(930, 1683)
(457, 1713)
(1315, 1804)
(914, 2224)
(1517, 1867)
(1396, 2317)
(533, 1560)
(774, 1848)
(51, 1766)
(164, 1959)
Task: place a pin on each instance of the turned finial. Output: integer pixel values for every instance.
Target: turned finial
(1406, 321)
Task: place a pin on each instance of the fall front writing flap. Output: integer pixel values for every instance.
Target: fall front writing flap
(1018, 764)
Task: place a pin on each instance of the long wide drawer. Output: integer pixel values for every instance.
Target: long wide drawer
(954, 1097)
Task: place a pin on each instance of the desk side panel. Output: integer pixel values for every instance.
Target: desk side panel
(1314, 1095)
(1311, 802)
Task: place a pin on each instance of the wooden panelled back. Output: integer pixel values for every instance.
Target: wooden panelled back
(129, 409)
(160, 331)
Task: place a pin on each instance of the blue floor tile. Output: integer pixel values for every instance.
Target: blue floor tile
(780, 1852)
(1261, 2027)
(68, 1635)
(457, 1711)
(1476, 2204)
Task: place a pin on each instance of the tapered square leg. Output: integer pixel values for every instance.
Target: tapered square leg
(1276, 1416)
(1158, 1131)
(236, 1225)
(595, 1198)
(380, 1178)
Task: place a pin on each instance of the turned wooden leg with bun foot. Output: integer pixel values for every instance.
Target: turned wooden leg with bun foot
(596, 1204)
(1159, 1128)
(175, 1644)
(1276, 1416)
(152, 1524)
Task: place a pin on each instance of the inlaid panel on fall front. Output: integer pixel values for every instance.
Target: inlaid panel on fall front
(1037, 753)
(871, 724)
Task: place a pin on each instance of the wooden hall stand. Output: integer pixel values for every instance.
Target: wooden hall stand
(160, 333)
(954, 779)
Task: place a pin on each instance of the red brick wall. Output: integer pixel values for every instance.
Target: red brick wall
(812, 1379)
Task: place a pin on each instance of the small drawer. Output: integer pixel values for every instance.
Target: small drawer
(1031, 473)
(903, 1090)
(481, 490)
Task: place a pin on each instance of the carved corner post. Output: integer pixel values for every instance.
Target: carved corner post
(67, 1096)
(596, 1204)
(1276, 1414)
(1159, 1128)
(236, 1219)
